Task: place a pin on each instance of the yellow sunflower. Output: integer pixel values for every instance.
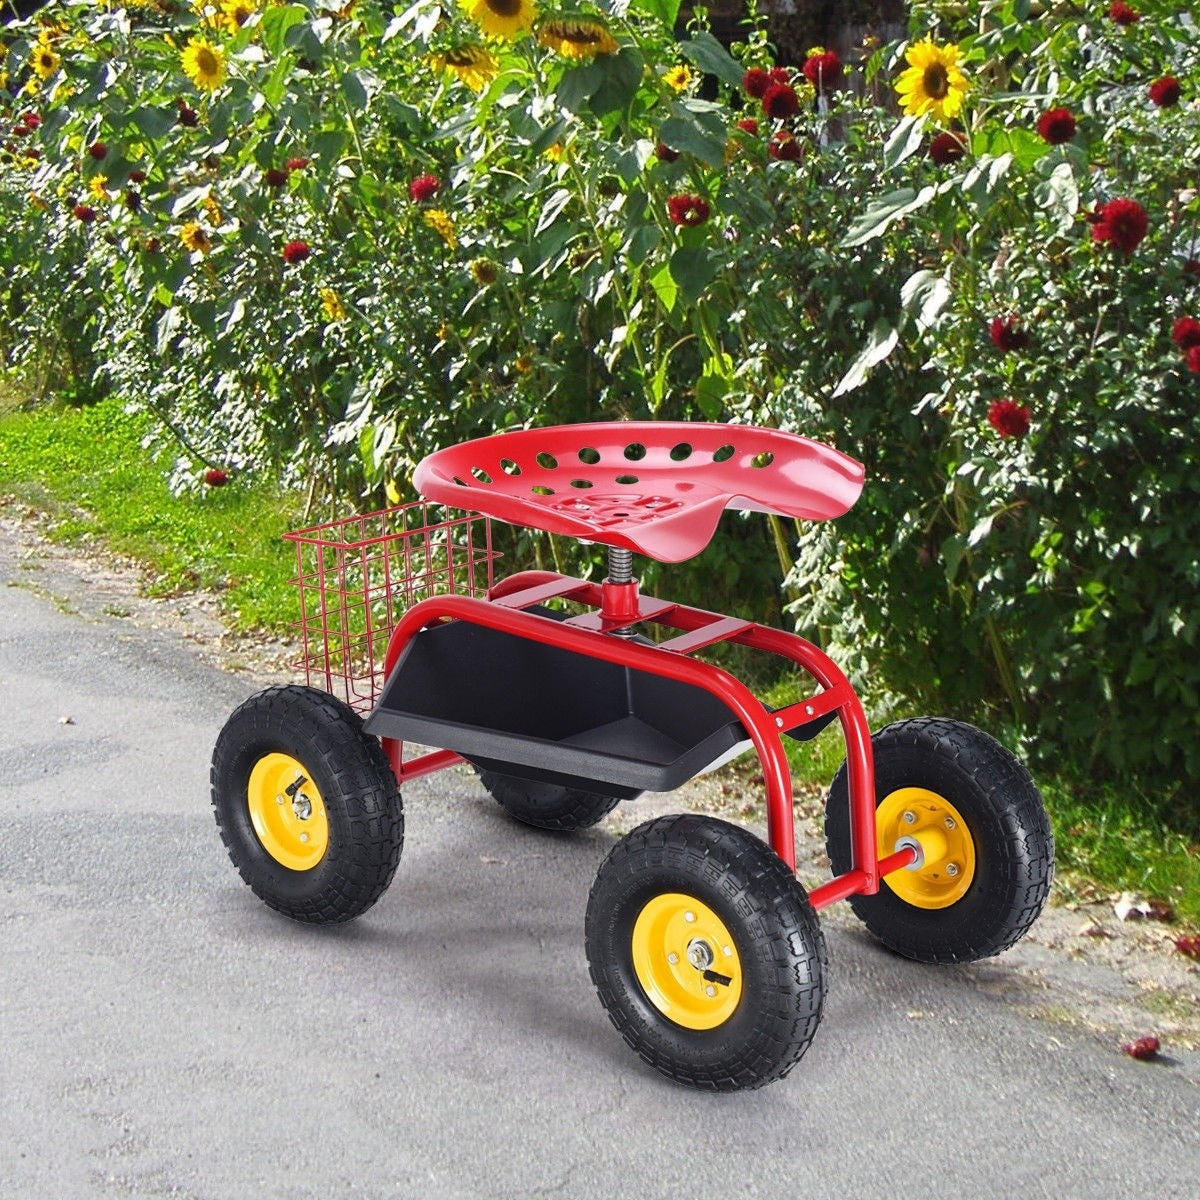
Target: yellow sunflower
(500, 18)
(192, 235)
(484, 271)
(204, 64)
(235, 13)
(577, 37)
(43, 60)
(331, 302)
(98, 186)
(678, 78)
(442, 223)
(473, 65)
(934, 82)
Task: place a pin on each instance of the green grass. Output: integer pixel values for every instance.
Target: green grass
(87, 468)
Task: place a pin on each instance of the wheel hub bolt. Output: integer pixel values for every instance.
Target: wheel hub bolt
(910, 818)
(672, 957)
(949, 822)
(304, 837)
(952, 869)
(710, 990)
(689, 917)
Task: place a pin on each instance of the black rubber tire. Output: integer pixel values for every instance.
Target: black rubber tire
(1002, 808)
(362, 803)
(547, 805)
(779, 944)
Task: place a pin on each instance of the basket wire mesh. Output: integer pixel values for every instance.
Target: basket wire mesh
(357, 577)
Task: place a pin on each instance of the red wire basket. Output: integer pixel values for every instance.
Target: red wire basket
(357, 576)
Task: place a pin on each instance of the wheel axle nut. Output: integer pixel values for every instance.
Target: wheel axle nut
(949, 822)
(952, 869)
(910, 818)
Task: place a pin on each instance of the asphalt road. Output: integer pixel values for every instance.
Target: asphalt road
(163, 1034)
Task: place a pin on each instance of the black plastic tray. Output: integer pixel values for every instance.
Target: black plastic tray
(539, 712)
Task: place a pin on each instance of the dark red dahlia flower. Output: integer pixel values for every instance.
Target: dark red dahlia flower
(423, 188)
(31, 119)
(823, 71)
(85, 213)
(1007, 335)
(1185, 333)
(297, 164)
(1165, 91)
(780, 101)
(1120, 12)
(946, 148)
(1008, 418)
(98, 150)
(1192, 358)
(687, 209)
(755, 82)
(187, 115)
(275, 177)
(1057, 126)
(779, 75)
(296, 251)
(137, 176)
(664, 153)
(748, 125)
(215, 477)
(1121, 222)
(785, 147)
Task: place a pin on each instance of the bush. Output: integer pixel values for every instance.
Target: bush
(327, 239)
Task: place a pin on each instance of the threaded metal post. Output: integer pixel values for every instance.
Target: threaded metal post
(620, 565)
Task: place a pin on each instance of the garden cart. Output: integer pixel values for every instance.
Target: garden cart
(569, 695)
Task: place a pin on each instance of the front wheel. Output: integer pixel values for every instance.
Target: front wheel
(985, 854)
(706, 953)
(307, 805)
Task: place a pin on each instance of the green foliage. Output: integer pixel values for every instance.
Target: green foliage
(1039, 580)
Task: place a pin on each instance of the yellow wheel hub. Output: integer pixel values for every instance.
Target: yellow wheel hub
(287, 812)
(945, 865)
(686, 961)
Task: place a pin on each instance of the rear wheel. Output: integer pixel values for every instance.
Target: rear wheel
(706, 953)
(307, 805)
(547, 805)
(985, 854)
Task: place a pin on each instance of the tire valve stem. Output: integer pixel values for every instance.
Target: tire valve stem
(293, 788)
(716, 977)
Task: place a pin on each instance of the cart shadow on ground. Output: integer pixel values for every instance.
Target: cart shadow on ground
(487, 915)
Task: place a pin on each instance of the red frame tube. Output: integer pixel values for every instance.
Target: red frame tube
(504, 611)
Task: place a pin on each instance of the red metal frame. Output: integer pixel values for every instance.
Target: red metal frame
(615, 606)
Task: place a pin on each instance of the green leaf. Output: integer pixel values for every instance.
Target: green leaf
(925, 294)
(693, 269)
(575, 87)
(905, 140)
(891, 207)
(667, 11)
(276, 22)
(879, 345)
(689, 138)
(1025, 146)
(1059, 195)
(154, 122)
(620, 76)
(665, 288)
(354, 91)
(705, 52)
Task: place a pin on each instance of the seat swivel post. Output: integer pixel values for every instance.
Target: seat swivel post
(620, 565)
(619, 590)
